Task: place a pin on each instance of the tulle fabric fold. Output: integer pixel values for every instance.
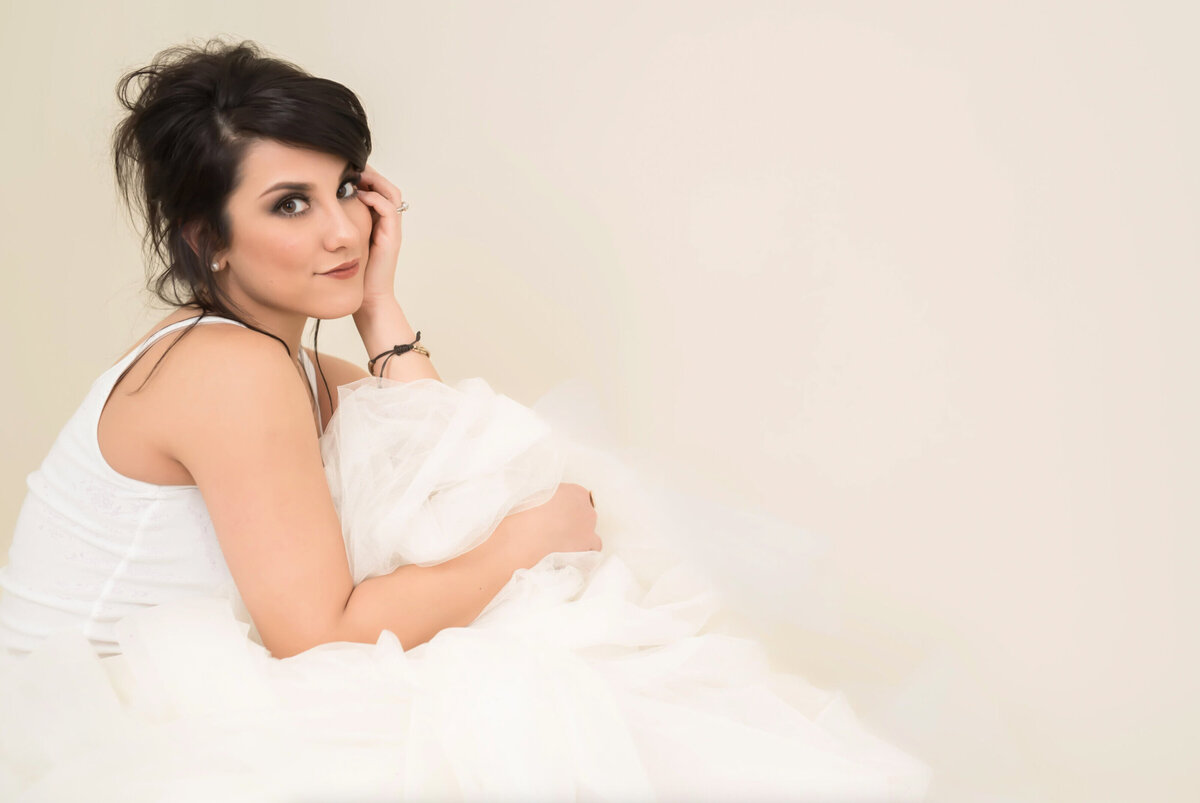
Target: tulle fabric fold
(422, 472)
(591, 676)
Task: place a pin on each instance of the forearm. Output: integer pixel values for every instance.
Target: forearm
(416, 602)
(385, 325)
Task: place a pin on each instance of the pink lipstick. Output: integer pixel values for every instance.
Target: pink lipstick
(343, 273)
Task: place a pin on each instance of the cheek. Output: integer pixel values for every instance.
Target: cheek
(277, 249)
(291, 255)
(362, 219)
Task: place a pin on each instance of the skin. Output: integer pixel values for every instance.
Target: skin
(229, 412)
(271, 270)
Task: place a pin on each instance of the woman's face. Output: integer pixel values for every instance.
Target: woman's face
(284, 238)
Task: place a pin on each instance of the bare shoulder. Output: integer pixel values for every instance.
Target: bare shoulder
(216, 377)
(224, 355)
(222, 387)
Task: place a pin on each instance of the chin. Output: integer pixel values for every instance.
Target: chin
(330, 308)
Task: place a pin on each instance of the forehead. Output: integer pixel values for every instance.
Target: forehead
(267, 161)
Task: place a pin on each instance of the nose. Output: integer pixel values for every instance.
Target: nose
(342, 229)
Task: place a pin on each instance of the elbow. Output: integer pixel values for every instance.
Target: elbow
(287, 647)
(302, 639)
(363, 626)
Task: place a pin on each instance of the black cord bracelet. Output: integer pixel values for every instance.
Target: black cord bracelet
(399, 349)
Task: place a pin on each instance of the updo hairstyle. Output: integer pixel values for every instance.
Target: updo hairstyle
(192, 112)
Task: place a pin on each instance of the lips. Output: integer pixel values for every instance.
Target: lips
(344, 268)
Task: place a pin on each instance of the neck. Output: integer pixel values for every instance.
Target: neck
(288, 329)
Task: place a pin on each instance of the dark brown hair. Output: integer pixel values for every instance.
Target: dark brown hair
(177, 154)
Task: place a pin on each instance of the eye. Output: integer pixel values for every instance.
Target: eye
(353, 182)
(293, 199)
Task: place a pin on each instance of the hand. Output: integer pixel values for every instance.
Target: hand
(565, 523)
(382, 197)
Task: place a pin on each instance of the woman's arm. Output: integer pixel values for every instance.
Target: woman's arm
(415, 602)
(380, 321)
(383, 325)
(244, 432)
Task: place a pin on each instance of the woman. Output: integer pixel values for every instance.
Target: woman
(219, 419)
(208, 463)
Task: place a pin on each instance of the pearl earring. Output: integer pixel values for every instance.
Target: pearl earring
(215, 266)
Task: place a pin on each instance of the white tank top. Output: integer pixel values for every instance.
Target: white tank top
(91, 545)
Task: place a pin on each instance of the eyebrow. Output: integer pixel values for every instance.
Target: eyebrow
(302, 187)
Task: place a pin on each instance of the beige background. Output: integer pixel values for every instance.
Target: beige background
(915, 276)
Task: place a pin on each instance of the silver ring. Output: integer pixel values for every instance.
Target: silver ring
(403, 205)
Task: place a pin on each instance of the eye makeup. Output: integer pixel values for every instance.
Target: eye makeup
(351, 178)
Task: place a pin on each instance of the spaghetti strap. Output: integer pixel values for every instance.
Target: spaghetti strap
(125, 363)
(129, 359)
(93, 407)
(311, 371)
(145, 344)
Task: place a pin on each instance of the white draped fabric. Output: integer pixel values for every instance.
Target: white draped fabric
(591, 676)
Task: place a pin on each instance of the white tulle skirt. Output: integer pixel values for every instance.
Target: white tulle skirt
(592, 676)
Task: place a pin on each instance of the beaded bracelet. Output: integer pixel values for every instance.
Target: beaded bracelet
(400, 349)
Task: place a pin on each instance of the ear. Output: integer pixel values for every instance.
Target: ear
(189, 235)
(191, 232)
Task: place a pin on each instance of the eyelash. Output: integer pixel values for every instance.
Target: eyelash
(352, 179)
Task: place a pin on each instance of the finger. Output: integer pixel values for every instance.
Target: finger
(370, 197)
(375, 180)
(381, 206)
(378, 203)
